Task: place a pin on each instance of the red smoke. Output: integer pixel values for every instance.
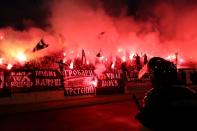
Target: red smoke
(171, 29)
(80, 24)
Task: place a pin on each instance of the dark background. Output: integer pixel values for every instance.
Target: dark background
(22, 14)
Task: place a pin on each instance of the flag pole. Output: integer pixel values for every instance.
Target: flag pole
(176, 59)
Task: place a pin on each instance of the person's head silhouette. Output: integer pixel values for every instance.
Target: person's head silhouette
(161, 71)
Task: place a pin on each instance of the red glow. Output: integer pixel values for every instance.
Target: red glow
(124, 58)
(9, 66)
(21, 57)
(78, 55)
(82, 27)
(119, 50)
(1, 61)
(113, 65)
(181, 60)
(71, 65)
(1, 37)
(101, 58)
(87, 62)
(171, 57)
(131, 56)
(94, 82)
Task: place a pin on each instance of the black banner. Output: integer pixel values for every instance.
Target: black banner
(19, 80)
(187, 76)
(28, 80)
(48, 79)
(110, 82)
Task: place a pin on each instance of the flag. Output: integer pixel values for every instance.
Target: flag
(99, 54)
(101, 34)
(41, 45)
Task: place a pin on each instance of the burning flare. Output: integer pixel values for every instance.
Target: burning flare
(9, 66)
(21, 57)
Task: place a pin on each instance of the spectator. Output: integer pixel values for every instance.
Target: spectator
(145, 59)
(167, 106)
(138, 65)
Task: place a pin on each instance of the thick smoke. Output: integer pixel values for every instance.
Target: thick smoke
(14, 42)
(175, 23)
(169, 27)
(156, 28)
(91, 28)
(22, 26)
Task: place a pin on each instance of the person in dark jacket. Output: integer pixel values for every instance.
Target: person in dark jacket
(137, 60)
(145, 59)
(167, 106)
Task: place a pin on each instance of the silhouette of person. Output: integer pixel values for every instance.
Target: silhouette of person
(145, 59)
(137, 58)
(61, 65)
(167, 106)
(193, 77)
(125, 71)
(183, 78)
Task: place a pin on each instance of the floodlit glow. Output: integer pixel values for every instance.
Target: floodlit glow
(78, 55)
(1, 37)
(64, 54)
(21, 57)
(113, 62)
(94, 82)
(101, 58)
(124, 58)
(71, 65)
(131, 56)
(64, 60)
(9, 66)
(1, 61)
(171, 57)
(119, 50)
(113, 65)
(181, 60)
(87, 62)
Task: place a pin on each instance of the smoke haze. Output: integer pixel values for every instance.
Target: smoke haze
(157, 28)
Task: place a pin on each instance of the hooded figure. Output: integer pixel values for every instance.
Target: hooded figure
(167, 106)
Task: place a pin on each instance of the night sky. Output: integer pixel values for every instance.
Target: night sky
(22, 14)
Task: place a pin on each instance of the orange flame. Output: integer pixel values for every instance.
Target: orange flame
(9, 66)
(21, 57)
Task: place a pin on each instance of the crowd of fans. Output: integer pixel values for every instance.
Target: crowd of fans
(57, 62)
